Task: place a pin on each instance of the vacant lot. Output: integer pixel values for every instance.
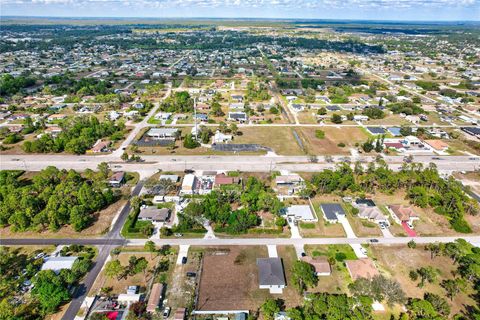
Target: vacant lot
(101, 225)
(120, 285)
(229, 279)
(398, 260)
(280, 139)
(333, 136)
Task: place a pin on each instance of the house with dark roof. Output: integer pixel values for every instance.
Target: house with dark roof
(376, 130)
(237, 116)
(271, 274)
(332, 211)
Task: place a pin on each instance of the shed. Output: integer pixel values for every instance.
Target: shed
(155, 297)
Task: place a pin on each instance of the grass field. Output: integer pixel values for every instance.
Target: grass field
(333, 136)
(280, 139)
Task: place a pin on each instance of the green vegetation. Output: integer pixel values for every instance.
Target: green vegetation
(179, 101)
(428, 85)
(134, 228)
(218, 207)
(50, 290)
(408, 108)
(52, 198)
(319, 134)
(257, 92)
(424, 188)
(10, 85)
(78, 135)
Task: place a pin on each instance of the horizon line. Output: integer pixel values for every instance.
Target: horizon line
(229, 18)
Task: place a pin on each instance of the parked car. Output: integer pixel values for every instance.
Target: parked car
(184, 260)
(166, 312)
(191, 274)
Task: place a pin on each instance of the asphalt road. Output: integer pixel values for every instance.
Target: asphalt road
(232, 162)
(240, 241)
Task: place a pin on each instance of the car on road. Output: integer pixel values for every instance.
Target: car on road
(436, 158)
(373, 240)
(15, 159)
(184, 260)
(166, 312)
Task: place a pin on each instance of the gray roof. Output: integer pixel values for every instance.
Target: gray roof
(270, 272)
(154, 213)
(331, 210)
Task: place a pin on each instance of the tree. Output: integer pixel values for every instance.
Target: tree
(234, 128)
(269, 308)
(322, 111)
(124, 157)
(150, 247)
(189, 142)
(412, 244)
(50, 291)
(113, 269)
(303, 275)
(428, 274)
(439, 303)
(337, 119)
(452, 287)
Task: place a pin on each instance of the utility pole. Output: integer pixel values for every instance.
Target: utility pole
(195, 116)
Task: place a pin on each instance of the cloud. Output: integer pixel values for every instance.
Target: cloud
(387, 4)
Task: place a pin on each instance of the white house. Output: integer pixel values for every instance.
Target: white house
(301, 213)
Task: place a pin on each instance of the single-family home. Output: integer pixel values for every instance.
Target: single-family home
(361, 268)
(155, 297)
(271, 274)
(237, 116)
(222, 179)
(100, 146)
(220, 137)
(402, 214)
(332, 212)
(58, 263)
(188, 184)
(117, 179)
(162, 133)
(164, 116)
(320, 265)
(154, 214)
(301, 213)
(437, 145)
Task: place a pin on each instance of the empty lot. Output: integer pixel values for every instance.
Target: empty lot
(229, 279)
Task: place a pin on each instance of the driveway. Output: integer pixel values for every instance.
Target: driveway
(386, 233)
(182, 252)
(294, 231)
(410, 232)
(360, 251)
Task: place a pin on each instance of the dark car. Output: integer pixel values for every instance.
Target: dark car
(373, 240)
(184, 260)
(191, 274)
(188, 171)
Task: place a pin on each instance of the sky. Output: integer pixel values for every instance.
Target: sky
(427, 10)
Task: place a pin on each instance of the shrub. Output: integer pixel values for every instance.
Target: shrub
(319, 134)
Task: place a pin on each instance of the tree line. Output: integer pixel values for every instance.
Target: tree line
(424, 187)
(52, 198)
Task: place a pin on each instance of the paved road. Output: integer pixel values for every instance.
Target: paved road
(235, 162)
(241, 241)
(112, 239)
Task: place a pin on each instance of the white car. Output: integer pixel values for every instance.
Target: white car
(166, 312)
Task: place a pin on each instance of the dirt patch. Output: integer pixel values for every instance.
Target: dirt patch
(229, 279)
(120, 285)
(333, 136)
